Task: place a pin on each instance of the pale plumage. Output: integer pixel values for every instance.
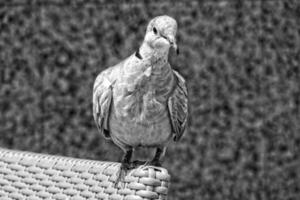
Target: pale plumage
(142, 101)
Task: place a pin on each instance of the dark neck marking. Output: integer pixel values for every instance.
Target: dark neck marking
(138, 55)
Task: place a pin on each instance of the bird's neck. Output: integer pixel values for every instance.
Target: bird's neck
(161, 74)
(149, 53)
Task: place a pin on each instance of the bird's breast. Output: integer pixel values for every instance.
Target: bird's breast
(140, 106)
(142, 96)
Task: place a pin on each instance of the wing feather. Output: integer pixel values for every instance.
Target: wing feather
(102, 98)
(178, 106)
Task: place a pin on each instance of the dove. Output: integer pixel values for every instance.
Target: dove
(142, 101)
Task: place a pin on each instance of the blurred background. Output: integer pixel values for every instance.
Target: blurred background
(240, 60)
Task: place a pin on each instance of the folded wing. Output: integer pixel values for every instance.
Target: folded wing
(102, 98)
(178, 106)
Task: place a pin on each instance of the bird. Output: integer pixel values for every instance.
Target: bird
(142, 101)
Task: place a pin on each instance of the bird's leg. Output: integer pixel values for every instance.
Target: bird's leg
(125, 165)
(160, 152)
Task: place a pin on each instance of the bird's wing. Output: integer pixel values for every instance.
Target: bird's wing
(102, 98)
(178, 106)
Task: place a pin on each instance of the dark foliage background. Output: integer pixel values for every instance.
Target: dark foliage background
(241, 63)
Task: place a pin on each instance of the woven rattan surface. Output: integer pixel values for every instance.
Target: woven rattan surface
(25, 175)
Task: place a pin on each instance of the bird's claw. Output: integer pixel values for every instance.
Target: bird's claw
(122, 173)
(137, 163)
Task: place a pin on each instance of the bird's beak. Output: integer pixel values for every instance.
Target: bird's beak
(172, 42)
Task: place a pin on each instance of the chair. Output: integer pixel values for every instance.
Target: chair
(25, 175)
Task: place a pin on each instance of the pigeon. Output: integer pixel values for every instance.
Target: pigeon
(142, 101)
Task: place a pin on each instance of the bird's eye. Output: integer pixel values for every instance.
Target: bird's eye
(154, 30)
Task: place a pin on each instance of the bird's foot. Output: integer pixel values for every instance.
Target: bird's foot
(122, 173)
(137, 163)
(155, 163)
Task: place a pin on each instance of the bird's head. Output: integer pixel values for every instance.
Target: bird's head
(161, 34)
